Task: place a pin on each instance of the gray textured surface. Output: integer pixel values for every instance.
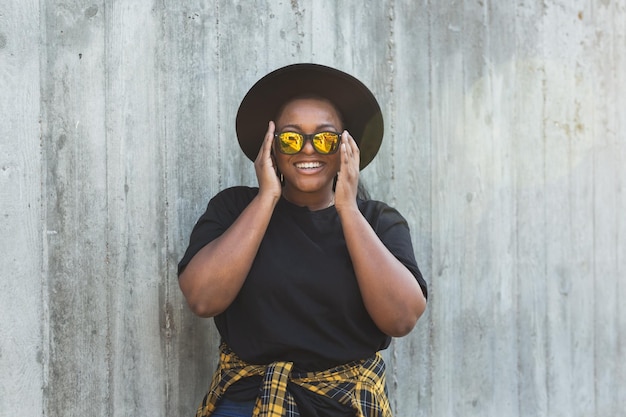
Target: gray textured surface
(505, 149)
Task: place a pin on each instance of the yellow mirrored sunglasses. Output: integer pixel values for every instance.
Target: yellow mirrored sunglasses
(324, 143)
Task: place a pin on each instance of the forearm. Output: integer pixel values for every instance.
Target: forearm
(391, 294)
(214, 276)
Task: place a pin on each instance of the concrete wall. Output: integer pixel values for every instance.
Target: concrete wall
(504, 148)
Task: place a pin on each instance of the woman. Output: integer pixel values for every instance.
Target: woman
(306, 282)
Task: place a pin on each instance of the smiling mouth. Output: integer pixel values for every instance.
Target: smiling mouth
(308, 165)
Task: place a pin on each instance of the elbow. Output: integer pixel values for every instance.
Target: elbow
(202, 306)
(201, 309)
(401, 327)
(405, 322)
(197, 301)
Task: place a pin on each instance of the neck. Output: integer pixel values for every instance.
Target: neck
(314, 201)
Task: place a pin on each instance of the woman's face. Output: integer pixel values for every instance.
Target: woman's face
(308, 171)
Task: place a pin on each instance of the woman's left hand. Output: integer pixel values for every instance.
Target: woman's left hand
(348, 176)
(391, 294)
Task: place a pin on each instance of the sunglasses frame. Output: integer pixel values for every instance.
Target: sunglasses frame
(309, 138)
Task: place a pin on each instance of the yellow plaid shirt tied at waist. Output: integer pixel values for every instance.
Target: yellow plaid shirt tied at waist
(359, 385)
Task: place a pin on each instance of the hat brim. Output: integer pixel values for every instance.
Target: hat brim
(358, 106)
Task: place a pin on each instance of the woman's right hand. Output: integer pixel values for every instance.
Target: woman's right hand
(265, 167)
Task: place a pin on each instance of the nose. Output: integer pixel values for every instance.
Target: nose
(308, 147)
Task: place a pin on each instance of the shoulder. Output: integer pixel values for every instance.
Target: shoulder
(381, 215)
(234, 196)
(228, 203)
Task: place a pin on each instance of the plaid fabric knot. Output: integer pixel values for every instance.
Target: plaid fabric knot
(359, 385)
(274, 400)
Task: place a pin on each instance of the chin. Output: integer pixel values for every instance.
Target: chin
(310, 185)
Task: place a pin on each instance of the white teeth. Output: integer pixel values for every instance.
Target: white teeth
(308, 165)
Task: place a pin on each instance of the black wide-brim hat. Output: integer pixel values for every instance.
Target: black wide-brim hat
(358, 106)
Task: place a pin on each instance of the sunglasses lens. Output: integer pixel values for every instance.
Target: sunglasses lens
(290, 142)
(326, 142)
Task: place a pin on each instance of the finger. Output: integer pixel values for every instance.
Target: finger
(345, 158)
(351, 148)
(266, 146)
(353, 145)
(345, 147)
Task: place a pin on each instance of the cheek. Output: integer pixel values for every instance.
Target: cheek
(336, 161)
(280, 160)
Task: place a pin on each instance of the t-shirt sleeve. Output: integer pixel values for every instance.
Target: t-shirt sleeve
(222, 211)
(393, 230)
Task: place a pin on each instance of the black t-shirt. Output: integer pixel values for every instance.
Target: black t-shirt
(301, 301)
